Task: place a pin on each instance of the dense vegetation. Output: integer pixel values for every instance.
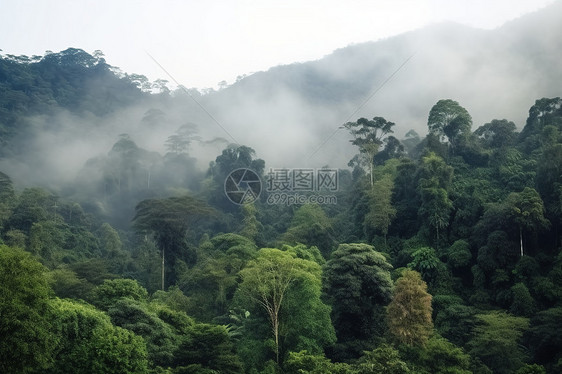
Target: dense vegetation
(442, 254)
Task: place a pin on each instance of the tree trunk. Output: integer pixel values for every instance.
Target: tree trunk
(162, 269)
(521, 240)
(276, 335)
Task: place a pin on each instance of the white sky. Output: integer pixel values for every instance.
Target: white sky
(203, 42)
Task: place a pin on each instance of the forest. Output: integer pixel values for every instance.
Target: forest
(438, 253)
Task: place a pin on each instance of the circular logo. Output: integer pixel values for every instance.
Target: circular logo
(242, 186)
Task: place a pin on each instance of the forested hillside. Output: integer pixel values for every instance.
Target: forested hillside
(428, 254)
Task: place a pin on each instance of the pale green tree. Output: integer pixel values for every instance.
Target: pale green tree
(409, 312)
(288, 290)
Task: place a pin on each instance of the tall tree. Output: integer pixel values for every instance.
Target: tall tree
(527, 210)
(448, 119)
(434, 181)
(180, 141)
(311, 226)
(357, 283)
(288, 290)
(369, 135)
(168, 220)
(381, 212)
(7, 198)
(409, 312)
(497, 134)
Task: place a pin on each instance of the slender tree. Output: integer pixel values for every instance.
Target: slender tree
(381, 212)
(288, 290)
(527, 210)
(369, 135)
(168, 220)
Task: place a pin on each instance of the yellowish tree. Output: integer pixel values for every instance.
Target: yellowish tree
(409, 312)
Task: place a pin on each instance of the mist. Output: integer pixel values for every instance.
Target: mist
(291, 115)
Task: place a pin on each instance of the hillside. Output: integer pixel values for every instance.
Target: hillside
(144, 231)
(494, 74)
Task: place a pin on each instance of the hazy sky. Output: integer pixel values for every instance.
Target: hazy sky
(203, 42)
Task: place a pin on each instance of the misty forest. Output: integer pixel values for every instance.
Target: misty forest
(438, 252)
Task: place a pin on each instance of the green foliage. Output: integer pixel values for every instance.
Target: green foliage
(7, 197)
(358, 285)
(304, 252)
(27, 340)
(212, 282)
(110, 242)
(210, 347)
(66, 284)
(369, 135)
(497, 134)
(544, 336)
(161, 339)
(490, 201)
(33, 205)
(251, 227)
(311, 226)
(89, 343)
(304, 362)
(531, 369)
(107, 294)
(169, 219)
(382, 360)
(448, 118)
(496, 341)
(523, 303)
(434, 181)
(381, 212)
(173, 299)
(439, 356)
(425, 261)
(286, 291)
(453, 320)
(458, 254)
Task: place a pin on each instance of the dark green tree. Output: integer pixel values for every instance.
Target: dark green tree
(527, 211)
(169, 220)
(496, 341)
(434, 182)
(497, 134)
(448, 119)
(311, 226)
(543, 337)
(209, 347)
(381, 212)
(358, 285)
